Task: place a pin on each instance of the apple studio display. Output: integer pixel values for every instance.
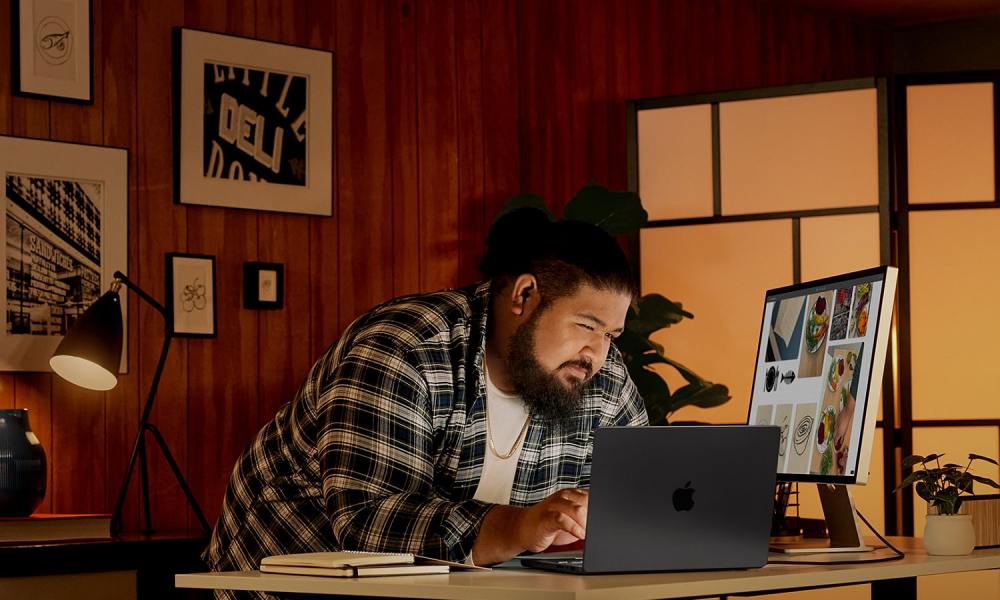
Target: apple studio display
(819, 344)
(818, 378)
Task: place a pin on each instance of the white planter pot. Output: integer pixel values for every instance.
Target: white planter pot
(949, 535)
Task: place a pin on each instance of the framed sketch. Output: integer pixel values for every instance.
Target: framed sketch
(191, 294)
(64, 234)
(263, 285)
(52, 49)
(256, 124)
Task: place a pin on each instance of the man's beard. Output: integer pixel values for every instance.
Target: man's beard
(543, 393)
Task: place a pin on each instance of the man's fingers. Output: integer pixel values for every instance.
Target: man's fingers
(574, 494)
(568, 524)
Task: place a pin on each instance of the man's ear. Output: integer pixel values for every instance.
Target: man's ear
(524, 294)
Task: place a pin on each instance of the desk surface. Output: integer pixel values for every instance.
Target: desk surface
(529, 584)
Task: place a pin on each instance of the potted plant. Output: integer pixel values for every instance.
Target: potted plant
(948, 531)
(621, 213)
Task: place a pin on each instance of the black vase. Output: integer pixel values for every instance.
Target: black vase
(22, 465)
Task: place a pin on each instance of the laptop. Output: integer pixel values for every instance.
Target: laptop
(676, 498)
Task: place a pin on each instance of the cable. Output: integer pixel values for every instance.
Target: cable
(897, 556)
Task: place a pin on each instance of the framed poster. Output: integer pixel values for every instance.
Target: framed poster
(65, 214)
(191, 294)
(256, 124)
(263, 285)
(52, 49)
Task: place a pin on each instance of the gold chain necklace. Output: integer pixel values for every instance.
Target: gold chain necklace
(489, 432)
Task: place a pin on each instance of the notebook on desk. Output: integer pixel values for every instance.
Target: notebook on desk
(358, 564)
(676, 499)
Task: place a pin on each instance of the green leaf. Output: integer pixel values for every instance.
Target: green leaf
(615, 212)
(630, 342)
(652, 358)
(984, 481)
(703, 395)
(914, 459)
(980, 457)
(654, 312)
(525, 201)
(923, 491)
(688, 375)
(655, 395)
(652, 386)
(931, 457)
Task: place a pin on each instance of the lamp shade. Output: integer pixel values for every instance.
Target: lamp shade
(91, 351)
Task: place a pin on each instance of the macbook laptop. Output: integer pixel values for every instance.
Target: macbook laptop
(676, 498)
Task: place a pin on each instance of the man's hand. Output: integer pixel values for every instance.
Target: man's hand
(559, 519)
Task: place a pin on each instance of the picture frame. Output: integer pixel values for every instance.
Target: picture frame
(263, 285)
(64, 234)
(191, 294)
(255, 136)
(53, 49)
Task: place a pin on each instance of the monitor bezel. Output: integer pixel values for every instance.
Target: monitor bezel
(889, 276)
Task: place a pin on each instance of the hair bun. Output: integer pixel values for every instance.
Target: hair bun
(514, 239)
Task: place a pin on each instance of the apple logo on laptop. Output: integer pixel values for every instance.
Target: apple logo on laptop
(684, 498)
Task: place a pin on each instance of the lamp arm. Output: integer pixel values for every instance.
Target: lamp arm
(138, 449)
(149, 299)
(168, 335)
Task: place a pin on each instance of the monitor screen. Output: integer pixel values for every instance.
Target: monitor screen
(819, 373)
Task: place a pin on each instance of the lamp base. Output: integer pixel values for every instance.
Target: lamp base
(139, 454)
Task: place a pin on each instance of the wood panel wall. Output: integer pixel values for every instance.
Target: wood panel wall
(442, 109)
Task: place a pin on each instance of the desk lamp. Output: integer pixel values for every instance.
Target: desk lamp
(89, 356)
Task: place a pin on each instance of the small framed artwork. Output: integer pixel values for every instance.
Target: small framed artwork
(256, 124)
(191, 294)
(263, 285)
(64, 234)
(52, 49)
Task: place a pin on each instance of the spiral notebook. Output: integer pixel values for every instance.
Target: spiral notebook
(358, 564)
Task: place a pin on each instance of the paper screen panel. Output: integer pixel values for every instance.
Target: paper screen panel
(838, 244)
(675, 161)
(799, 152)
(956, 443)
(949, 142)
(719, 272)
(953, 298)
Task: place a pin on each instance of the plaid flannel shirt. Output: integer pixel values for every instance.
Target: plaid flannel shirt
(382, 448)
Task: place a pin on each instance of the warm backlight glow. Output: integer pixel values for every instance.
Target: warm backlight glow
(949, 142)
(953, 330)
(719, 272)
(675, 161)
(802, 152)
(82, 372)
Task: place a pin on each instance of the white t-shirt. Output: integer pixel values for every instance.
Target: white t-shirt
(507, 415)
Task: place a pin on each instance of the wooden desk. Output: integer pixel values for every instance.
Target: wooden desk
(895, 579)
(127, 566)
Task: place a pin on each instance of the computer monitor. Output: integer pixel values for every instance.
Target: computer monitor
(818, 377)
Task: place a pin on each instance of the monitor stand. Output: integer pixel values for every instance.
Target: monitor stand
(845, 533)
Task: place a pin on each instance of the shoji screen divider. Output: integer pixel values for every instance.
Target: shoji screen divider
(759, 188)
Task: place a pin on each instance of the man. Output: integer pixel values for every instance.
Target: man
(457, 424)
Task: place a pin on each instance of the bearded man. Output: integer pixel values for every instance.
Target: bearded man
(457, 424)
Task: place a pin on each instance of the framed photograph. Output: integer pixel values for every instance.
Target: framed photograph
(191, 294)
(64, 234)
(52, 49)
(263, 285)
(256, 124)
